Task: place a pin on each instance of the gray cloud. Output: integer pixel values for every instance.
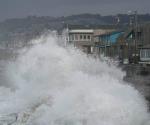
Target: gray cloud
(21, 8)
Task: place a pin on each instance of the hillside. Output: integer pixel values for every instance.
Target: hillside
(24, 29)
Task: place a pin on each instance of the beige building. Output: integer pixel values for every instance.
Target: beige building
(84, 39)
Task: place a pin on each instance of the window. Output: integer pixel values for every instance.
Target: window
(72, 37)
(76, 37)
(145, 53)
(148, 53)
(80, 36)
(84, 37)
(142, 54)
(89, 37)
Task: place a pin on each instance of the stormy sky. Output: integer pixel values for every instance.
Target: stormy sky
(22, 8)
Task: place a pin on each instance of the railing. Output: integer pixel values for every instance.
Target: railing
(8, 119)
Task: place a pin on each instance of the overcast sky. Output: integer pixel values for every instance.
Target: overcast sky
(22, 8)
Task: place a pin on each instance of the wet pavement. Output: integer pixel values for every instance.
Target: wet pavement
(139, 78)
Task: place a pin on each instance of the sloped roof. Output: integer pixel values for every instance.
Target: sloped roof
(103, 31)
(128, 33)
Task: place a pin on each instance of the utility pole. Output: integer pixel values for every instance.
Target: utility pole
(135, 27)
(134, 16)
(106, 42)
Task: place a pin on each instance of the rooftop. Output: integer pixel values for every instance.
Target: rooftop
(81, 31)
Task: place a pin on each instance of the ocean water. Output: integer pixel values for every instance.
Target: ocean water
(49, 84)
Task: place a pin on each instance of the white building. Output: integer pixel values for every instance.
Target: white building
(82, 38)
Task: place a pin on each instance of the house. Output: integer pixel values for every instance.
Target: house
(130, 43)
(82, 39)
(126, 46)
(106, 43)
(145, 55)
